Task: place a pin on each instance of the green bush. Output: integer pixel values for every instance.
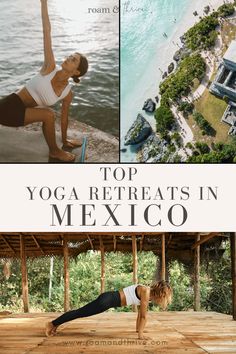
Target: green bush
(219, 295)
(176, 159)
(202, 35)
(177, 138)
(226, 10)
(183, 291)
(226, 99)
(186, 107)
(164, 119)
(189, 146)
(222, 153)
(203, 123)
(202, 147)
(179, 83)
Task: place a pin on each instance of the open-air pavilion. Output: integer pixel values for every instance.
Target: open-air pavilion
(171, 332)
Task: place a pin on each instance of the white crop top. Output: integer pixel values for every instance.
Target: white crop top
(130, 295)
(40, 88)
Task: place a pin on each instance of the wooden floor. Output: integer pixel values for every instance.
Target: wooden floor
(170, 332)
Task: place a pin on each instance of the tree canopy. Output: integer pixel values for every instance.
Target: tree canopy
(164, 119)
(179, 83)
(220, 153)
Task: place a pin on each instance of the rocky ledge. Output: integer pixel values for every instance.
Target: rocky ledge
(181, 54)
(153, 150)
(171, 67)
(28, 144)
(138, 132)
(207, 9)
(149, 106)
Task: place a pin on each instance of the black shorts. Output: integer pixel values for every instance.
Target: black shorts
(12, 111)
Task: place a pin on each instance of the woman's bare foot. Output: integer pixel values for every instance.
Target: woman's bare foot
(50, 329)
(72, 143)
(62, 155)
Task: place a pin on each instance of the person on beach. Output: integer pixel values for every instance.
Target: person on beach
(31, 103)
(159, 292)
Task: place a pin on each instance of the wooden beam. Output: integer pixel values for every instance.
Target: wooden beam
(37, 244)
(141, 243)
(91, 242)
(66, 274)
(169, 240)
(61, 238)
(197, 275)
(8, 244)
(135, 265)
(163, 257)
(203, 239)
(102, 264)
(233, 269)
(24, 276)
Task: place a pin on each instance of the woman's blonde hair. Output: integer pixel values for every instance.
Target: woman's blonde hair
(162, 292)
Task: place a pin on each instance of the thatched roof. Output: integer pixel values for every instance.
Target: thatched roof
(177, 245)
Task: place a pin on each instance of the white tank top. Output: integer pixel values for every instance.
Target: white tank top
(40, 88)
(131, 298)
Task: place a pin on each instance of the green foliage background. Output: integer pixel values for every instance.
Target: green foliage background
(85, 282)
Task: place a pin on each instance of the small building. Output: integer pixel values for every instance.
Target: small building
(229, 117)
(225, 81)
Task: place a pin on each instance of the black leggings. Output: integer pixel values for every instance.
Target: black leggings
(102, 303)
(12, 111)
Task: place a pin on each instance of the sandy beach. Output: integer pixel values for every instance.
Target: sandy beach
(165, 56)
(160, 63)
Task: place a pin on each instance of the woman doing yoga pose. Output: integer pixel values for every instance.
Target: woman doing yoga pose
(159, 292)
(30, 104)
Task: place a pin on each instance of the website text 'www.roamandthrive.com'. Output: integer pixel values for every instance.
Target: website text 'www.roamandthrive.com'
(120, 342)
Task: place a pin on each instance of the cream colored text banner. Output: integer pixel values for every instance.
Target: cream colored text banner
(109, 197)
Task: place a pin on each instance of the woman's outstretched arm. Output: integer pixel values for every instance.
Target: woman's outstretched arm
(138, 320)
(142, 313)
(49, 60)
(142, 318)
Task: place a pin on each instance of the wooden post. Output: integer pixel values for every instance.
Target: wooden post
(50, 278)
(163, 257)
(25, 291)
(135, 265)
(66, 274)
(197, 276)
(102, 265)
(233, 268)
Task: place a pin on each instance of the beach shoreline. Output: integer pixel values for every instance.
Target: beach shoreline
(161, 61)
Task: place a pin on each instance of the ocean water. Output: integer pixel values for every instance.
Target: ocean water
(143, 23)
(76, 26)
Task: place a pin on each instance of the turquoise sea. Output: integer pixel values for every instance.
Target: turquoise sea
(143, 23)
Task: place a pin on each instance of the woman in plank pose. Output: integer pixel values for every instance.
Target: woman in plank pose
(31, 103)
(159, 292)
